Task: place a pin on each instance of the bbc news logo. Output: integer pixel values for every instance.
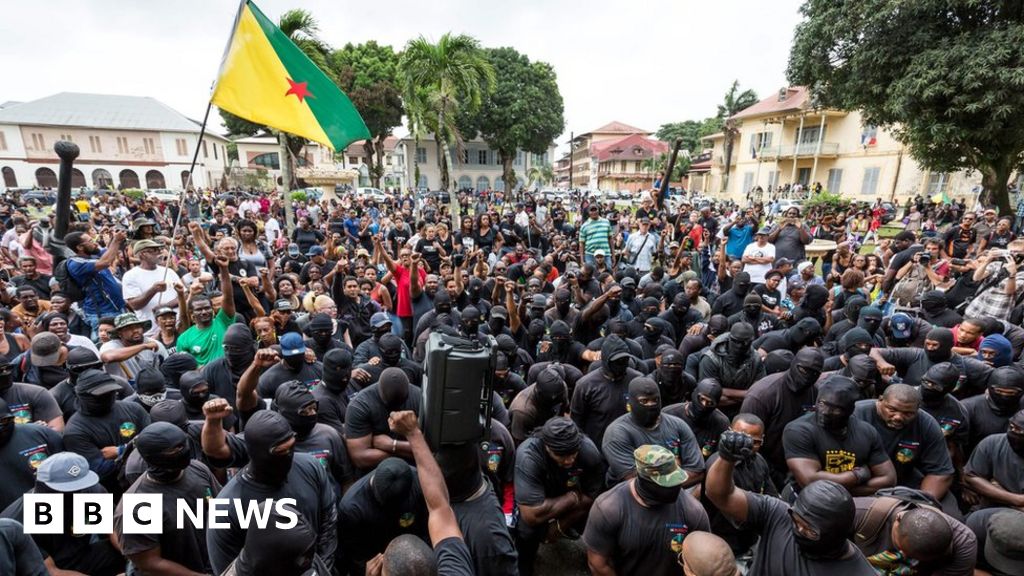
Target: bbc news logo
(144, 513)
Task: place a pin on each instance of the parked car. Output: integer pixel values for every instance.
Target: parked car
(786, 204)
(45, 197)
(164, 194)
(888, 212)
(375, 194)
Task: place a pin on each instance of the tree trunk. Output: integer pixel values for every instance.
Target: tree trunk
(994, 179)
(729, 142)
(507, 174)
(368, 150)
(378, 168)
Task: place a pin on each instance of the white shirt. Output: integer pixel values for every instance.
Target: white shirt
(83, 342)
(272, 230)
(138, 280)
(757, 271)
(644, 252)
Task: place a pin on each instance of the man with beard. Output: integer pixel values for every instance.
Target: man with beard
(753, 313)
(292, 366)
(731, 301)
(22, 448)
(803, 333)
(674, 383)
(229, 270)
(103, 425)
(224, 373)
(149, 285)
(936, 311)
(646, 424)
(602, 395)
(29, 306)
(546, 398)
(937, 400)
(367, 436)
(829, 444)
(562, 310)
(380, 324)
(989, 413)
(781, 398)
(701, 414)
(912, 363)
(870, 319)
(732, 361)
(639, 526)
(995, 471)
(390, 356)
(656, 333)
(205, 340)
(129, 351)
(680, 318)
(805, 539)
(30, 276)
(320, 331)
(507, 384)
(913, 441)
(171, 473)
(29, 403)
(89, 270)
(423, 290)
(274, 472)
(692, 289)
(378, 508)
(331, 392)
(559, 473)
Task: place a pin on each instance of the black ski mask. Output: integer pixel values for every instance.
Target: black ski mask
(292, 399)
(390, 350)
(776, 361)
(470, 320)
(279, 551)
(649, 308)
(836, 399)
(741, 284)
(550, 391)
(151, 387)
(195, 390)
(6, 375)
(741, 335)
(320, 329)
(442, 303)
(337, 370)
(803, 333)
(941, 379)
(562, 301)
(81, 359)
(171, 411)
(173, 367)
(944, 351)
(97, 392)
(852, 308)
(681, 305)
(654, 328)
(865, 374)
(870, 319)
(1005, 389)
(752, 307)
(266, 430)
(855, 342)
(1015, 433)
(6, 423)
(645, 416)
(670, 376)
(805, 370)
(654, 494)
(393, 387)
(239, 348)
(391, 482)
(829, 510)
(705, 398)
(615, 357)
(165, 448)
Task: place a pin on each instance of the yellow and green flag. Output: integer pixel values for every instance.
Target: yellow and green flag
(265, 78)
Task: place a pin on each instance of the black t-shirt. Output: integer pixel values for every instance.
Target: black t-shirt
(959, 241)
(323, 443)
(641, 540)
(803, 438)
(331, 407)
(307, 238)
(913, 363)
(19, 555)
(222, 380)
(707, 431)
(994, 460)
(186, 546)
(498, 458)
(624, 436)
(597, 401)
(88, 435)
(367, 414)
(982, 420)
(66, 548)
(366, 527)
(453, 558)
(918, 450)
(482, 523)
(778, 552)
(752, 475)
(398, 236)
(770, 298)
(539, 477)
(770, 400)
(952, 418)
(430, 254)
(21, 456)
(30, 403)
(271, 380)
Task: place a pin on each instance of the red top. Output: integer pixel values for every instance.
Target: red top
(403, 279)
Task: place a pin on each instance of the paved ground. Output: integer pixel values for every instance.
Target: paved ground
(563, 558)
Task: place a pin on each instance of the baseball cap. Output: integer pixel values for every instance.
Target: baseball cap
(499, 312)
(292, 344)
(598, 252)
(782, 262)
(144, 244)
(379, 319)
(95, 382)
(67, 472)
(46, 349)
(163, 311)
(763, 231)
(901, 324)
(293, 249)
(657, 464)
(1004, 548)
(315, 251)
(283, 305)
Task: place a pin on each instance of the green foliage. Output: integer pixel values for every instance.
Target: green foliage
(691, 131)
(232, 149)
(298, 196)
(946, 77)
(134, 193)
(830, 202)
(734, 102)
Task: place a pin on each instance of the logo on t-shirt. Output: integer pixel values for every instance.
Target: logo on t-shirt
(676, 534)
(709, 447)
(573, 478)
(22, 413)
(673, 446)
(311, 384)
(406, 519)
(949, 426)
(322, 456)
(906, 451)
(494, 453)
(35, 455)
(127, 430)
(839, 461)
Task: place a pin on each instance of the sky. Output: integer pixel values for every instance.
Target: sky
(645, 63)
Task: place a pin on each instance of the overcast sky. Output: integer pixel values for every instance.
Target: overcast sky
(644, 62)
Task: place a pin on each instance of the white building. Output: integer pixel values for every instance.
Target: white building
(394, 164)
(265, 152)
(478, 169)
(125, 142)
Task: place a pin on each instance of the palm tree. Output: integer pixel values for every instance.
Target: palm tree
(438, 82)
(734, 102)
(541, 174)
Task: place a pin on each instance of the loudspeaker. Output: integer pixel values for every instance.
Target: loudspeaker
(458, 376)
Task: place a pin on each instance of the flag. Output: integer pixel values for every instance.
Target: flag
(265, 78)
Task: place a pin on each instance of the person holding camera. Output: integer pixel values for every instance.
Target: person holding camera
(791, 236)
(915, 278)
(1000, 277)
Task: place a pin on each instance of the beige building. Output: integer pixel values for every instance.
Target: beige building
(125, 142)
(479, 168)
(264, 152)
(785, 139)
(614, 157)
(394, 177)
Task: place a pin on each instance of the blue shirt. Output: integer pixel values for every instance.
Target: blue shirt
(104, 301)
(739, 237)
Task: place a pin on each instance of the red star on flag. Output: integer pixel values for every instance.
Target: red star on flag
(299, 89)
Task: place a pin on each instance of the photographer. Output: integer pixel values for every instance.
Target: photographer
(916, 277)
(791, 236)
(999, 276)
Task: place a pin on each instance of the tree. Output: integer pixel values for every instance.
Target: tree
(660, 164)
(541, 174)
(688, 130)
(523, 112)
(946, 77)
(368, 73)
(734, 102)
(440, 80)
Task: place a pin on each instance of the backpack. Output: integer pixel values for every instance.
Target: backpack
(67, 284)
(908, 290)
(888, 502)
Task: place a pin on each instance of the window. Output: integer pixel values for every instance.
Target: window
(10, 180)
(129, 179)
(66, 137)
(481, 158)
(101, 179)
(421, 155)
(803, 176)
(38, 143)
(773, 179)
(215, 151)
(622, 166)
(95, 145)
(155, 179)
(3, 141)
(835, 179)
(519, 158)
(46, 178)
(483, 183)
(748, 182)
(148, 144)
(869, 136)
(180, 147)
(758, 142)
(77, 178)
(465, 156)
(269, 160)
(205, 152)
(809, 135)
(423, 183)
(353, 160)
(938, 183)
(465, 182)
(122, 146)
(869, 185)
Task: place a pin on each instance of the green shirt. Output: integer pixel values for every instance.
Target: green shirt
(594, 235)
(206, 344)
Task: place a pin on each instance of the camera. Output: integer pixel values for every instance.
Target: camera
(926, 257)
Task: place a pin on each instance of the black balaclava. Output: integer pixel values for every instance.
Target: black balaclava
(649, 308)
(442, 302)
(814, 298)
(170, 411)
(535, 332)
(562, 301)
(239, 348)
(828, 508)
(615, 357)
(654, 494)
(469, 319)
(944, 336)
(6, 423)
(550, 388)
(711, 388)
(941, 379)
(865, 374)
(870, 319)
(670, 375)
(1016, 439)
(320, 329)
(81, 359)
(561, 338)
(852, 308)
(6, 374)
(189, 382)
(390, 350)
(151, 387)
(777, 361)
(460, 466)
(855, 342)
(1007, 378)
(841, 393)
(278, 551)
(507, 347)
(741, 335)
(289, 399)
(717, 325)
(752, 307)
(265, 430)
(681, 305)
(654, 328)
(475, 289)
(337, 370)
(495, 323)
(803, 333)
(806, 368)
(391, 482)
(933, 302)
(643, 416)
(741, 284)
(154, 443)
(174, 366)
(393, 387)
(89, 403)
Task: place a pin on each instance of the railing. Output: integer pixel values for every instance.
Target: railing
(804, 149)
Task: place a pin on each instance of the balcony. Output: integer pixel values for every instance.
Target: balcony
(806, 149)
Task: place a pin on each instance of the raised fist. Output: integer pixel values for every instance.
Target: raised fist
(735, 446)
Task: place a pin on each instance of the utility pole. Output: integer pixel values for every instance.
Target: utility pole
(572, 151)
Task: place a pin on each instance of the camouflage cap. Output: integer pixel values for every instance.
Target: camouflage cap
(657, 464)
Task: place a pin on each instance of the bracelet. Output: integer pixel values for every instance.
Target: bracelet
(394, 445)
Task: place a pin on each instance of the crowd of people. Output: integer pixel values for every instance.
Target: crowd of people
(705, 389)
